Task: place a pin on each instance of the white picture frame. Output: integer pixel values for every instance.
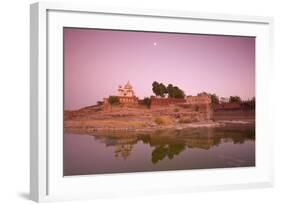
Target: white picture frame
(46, 180)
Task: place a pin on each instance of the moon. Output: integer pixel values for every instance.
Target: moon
(155, 43)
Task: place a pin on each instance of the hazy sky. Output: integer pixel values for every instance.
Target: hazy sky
(97, 61)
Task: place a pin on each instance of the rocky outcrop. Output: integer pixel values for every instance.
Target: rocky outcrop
(135, 118)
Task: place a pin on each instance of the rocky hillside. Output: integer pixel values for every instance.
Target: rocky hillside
(96, 118)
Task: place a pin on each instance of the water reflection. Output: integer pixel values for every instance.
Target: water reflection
(162, 151)
(117, 152)
(167, 144)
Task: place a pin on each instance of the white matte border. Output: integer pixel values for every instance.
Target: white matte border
(59, 187)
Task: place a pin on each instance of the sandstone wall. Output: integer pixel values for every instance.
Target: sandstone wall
(234, 115)
(165, 101)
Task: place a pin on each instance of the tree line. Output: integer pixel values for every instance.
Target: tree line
(237, 99)
(159, 89)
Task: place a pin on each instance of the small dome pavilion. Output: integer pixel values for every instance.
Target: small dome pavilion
(126, 94)
(126, 90)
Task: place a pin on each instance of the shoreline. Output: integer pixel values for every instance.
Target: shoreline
(194, 125)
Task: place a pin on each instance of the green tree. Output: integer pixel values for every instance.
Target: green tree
(159, 89)
(175, 92)
(162, 89)
(178, 93)
(156, 88)
(113, 100)
(235, 99)
(170, 91)
(214, 99)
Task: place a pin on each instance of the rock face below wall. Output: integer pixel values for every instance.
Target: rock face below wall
(234, 115)
(138, 117)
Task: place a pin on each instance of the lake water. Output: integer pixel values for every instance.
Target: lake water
(196, 148)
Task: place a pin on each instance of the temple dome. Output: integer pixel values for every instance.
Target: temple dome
(126, 90)
(128, 86)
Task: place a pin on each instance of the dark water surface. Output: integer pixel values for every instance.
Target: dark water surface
(193, 148)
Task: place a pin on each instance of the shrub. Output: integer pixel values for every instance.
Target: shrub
(147, 101)
(162, 120)
(100, 103)
(235, 99)
(113, 100)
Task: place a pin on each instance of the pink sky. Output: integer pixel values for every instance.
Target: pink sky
(97, 61)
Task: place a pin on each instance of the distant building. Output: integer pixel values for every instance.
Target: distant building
(126, 90)
(126, 94)
(224, 100)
